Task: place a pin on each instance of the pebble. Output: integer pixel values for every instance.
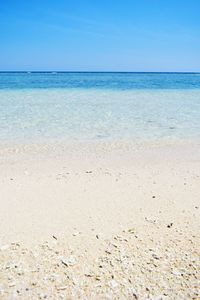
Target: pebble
(61, 288)
(70, 261)
(12, 284)
(43, 296)
(113, 284)
(76, 233)
(125, 268)
(4, 247)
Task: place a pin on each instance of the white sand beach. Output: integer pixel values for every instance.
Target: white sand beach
(114, 220)
(99, 150)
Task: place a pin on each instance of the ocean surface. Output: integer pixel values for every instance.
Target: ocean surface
(61, 106)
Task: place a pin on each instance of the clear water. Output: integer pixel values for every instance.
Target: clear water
(117, 81)
(82, 106)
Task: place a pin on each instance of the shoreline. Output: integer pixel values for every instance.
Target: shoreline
(132, 143)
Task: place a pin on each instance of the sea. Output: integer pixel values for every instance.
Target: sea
(68, 106)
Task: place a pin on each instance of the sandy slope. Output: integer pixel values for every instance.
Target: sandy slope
(86, 194)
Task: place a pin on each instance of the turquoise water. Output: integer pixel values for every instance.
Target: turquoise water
(119, 81)
(90, 106)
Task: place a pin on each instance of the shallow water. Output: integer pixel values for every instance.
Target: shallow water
(90, 106)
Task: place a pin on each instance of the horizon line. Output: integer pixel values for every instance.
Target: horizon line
(136, 72)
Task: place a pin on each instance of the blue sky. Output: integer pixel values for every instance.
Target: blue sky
(91, 35)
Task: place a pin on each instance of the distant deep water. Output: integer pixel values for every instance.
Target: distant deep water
(121, 81)
(81, 106)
